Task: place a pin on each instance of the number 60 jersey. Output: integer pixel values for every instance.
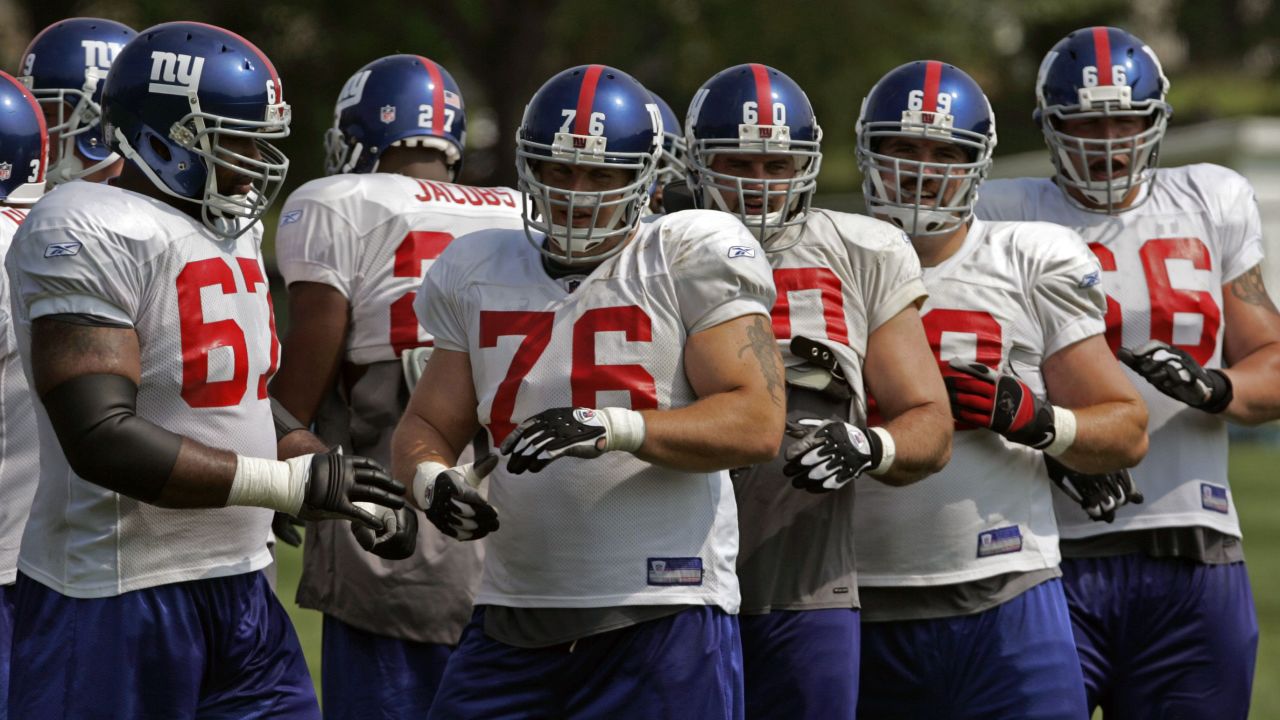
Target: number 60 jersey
(202, 312)
(613, 530)
(1164, 262)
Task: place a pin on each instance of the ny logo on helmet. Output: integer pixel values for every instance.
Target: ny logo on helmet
(352, 91)
(99, 53)
(175, 73)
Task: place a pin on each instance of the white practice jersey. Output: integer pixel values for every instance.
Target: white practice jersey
(839, 277)
(19, 446)
(202, 312)
(614, 530)
(1164, 263)
(1011, 297)
(372, 238)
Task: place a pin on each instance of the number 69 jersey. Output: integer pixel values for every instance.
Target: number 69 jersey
(614, 530)
(202, 312)
(1164, 262)
(1012, 295)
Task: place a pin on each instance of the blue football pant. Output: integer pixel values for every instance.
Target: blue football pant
(1163, 637)
(365, 675)
(688, 665)
(6, 643)
(1016, 660)
(217, 648)
(801, 664)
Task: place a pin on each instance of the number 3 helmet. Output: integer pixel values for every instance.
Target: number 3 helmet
(934, 101)
(24, 146)
(64, 67)
(1102, 72)
(185, 99)
(756, 110)
(587, 116)
(396, 100)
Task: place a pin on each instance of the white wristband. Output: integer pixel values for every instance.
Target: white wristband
(888, 450)
(278, 485)
(624, 428)
(422, 479)
(1064, 428)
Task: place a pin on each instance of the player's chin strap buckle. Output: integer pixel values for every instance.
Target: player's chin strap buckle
(820, 371)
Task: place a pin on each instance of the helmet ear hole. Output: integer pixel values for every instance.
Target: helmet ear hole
(159, 148)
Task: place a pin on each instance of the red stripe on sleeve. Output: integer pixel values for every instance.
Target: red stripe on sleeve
(1102, 55)
(586, 99)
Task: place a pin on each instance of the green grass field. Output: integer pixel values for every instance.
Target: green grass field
(1257, 493)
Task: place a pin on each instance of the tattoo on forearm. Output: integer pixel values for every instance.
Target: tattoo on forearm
(764, 346)
(1250, 288)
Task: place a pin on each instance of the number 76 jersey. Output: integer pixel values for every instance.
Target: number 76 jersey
(1164, 262)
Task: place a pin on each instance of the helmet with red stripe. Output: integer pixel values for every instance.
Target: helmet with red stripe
(590, 116)
(64, 67)
(930, 101)
(184, 99)
(753, 109)
(1094, 74)
(24, 144)
(399, 100)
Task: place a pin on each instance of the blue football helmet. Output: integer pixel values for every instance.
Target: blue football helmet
(672, 166)
(1102, 72)
(24, 144)
(396, 100)
(592, 116)
(935, 101)
(185, 98)
(757, 110)
(64, 67)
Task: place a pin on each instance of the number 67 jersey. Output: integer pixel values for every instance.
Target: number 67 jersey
(1164, 262)
(202, 312)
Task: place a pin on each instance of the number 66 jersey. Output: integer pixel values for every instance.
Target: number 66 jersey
(1164, 262)
(202, 313)
(614, 530)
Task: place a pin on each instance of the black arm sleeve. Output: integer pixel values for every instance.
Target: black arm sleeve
(284, 420)
(106, 443)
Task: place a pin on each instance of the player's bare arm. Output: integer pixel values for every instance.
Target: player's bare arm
(440, 419)
(1111, 418)
(311, 352)
(1251, 349)
(902, 374)
(738, 419)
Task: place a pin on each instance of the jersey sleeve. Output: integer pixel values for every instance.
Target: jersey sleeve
(1001, 200)
(719, 270)
(894, 282)
(1066, 291)
(1240, 223)
(315, 243)
(438, 303)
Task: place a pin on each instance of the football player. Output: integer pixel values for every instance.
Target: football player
(620, 365)
(353, 248)
(23, 161)
(145, 327)
(65, 67)
(849, 289)
(963, 609)
(1187, 312)
(671, 168)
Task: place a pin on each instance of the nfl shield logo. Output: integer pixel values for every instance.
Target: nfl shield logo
(6, 169)
(388, 114)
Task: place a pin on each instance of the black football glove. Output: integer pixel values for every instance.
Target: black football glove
(285, 527)
(576, 432)
(450, 501)
(829, 454)
(1100, 494)
(399, 535)
(1003, 403)
(336, 482)
(1176, 374)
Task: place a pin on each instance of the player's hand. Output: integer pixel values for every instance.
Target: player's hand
(1100, 494)
(285, 527)
(1003, 403)
(399, 535)
(576, 432)
(829, 454)
(449, 499)
(1176, 374)
(335, 483)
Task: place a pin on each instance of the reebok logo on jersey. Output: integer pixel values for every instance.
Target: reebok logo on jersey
(675, 571)
(175, 73)
(290, 217)
(1090, 280)
(738, 251)
(999, 541)
(62, 249)
(1214, 497)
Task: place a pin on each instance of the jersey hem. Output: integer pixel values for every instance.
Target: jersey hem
(729, 605)
(868, 580)
(169, 577)
(1080, 532)
(304, 271)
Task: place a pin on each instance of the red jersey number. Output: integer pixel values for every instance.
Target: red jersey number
(413, 252)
